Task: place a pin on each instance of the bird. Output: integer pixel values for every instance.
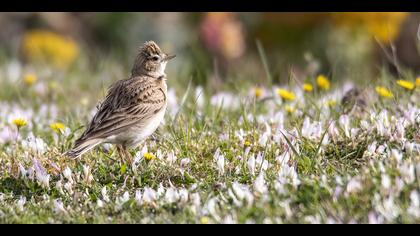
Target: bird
(354, 101)
(132, 109)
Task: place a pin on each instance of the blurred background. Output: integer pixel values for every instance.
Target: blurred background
(215, 49)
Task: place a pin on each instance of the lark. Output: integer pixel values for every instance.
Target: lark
(132, 109)
(355, 101)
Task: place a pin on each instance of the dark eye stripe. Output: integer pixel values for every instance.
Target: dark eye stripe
(155, 57)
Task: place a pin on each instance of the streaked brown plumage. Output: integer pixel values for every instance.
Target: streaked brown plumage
(132, 109)
(354, 101)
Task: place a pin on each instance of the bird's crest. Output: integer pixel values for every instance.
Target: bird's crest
(150, 48)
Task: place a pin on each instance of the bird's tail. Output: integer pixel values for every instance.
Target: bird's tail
(81, 147)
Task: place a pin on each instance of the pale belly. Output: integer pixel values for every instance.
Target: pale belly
(134, 136)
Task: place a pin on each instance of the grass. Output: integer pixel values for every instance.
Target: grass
(247, 163)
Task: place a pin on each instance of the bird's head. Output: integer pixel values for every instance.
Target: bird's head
(150, 60)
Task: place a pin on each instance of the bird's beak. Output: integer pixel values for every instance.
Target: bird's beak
(169, 57)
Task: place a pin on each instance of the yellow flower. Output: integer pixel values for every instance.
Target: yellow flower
(330, 103)
(57, 127)
(49, 47)
(30, 79)
(406, 84)
(385, 26)
(258, 92)
(286, 95)
(323, 82)
(418, 82)
(148, 156)
(19, 122)
(384, 92)
(308, 87)
(289, 109)
(247, 143)
(204, 220)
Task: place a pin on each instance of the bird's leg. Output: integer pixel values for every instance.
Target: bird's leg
(128, 157)
(121, 153)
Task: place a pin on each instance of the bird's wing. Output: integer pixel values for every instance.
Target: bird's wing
(128, 102)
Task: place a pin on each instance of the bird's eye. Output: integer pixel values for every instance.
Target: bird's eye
(155, 58)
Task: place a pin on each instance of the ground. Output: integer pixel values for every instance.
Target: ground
(239, 155)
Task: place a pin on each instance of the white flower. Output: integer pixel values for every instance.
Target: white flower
(199, 96)
(312, 131)
(238, 189)
(171, 157)
(344, 121)
(184, 162)
(385, 181)
(337, 192)
(87, 175)
(138, 197)
(171, 195)
(288, 174)
(228, 220)
(313, 219)
(99, 203)
(30, 172)
(397, 155)
(69, 187)
(149, 195)
(263, 139)
(68, 174)
(59, 186)
(261, 162)
(196, 202)
(7, 135)
(333, 130)
(381, 149)
(104, 194)
(123, 199)
(251, 164)
(388, 209)
(412, 147)
(34, 144)
(225, 100)
(160, 190)
(183, 195)
(21, 203)
(354, 132)
(353, 186)
(382, 123)
(407, 172)
(365, 125)
(259, 184)
(239, 193)
(286, 206)
(414, 208)
(221, 164)
(265, 136)
(22, 171)
(43, 179)
(374, 218)
(371, 148)
(210, 207)
(137, 157)
(283, 158)
(399, 134)
(59, 207)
